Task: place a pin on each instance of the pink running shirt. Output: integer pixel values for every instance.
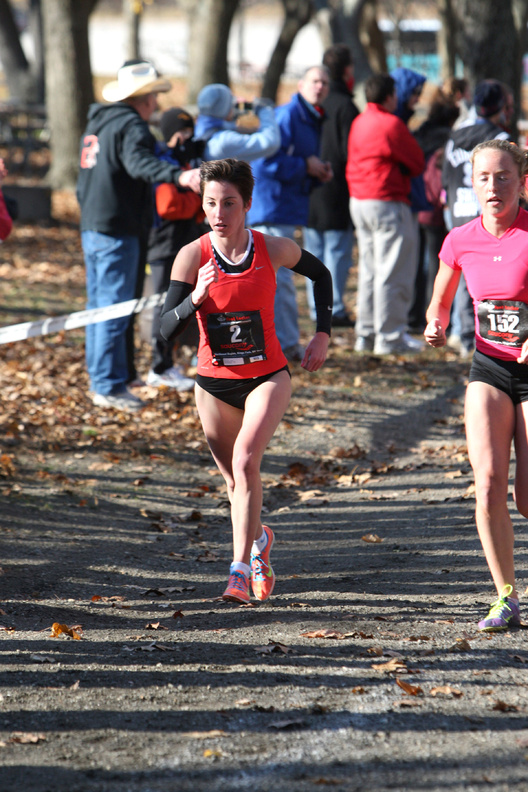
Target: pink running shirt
(493, 268)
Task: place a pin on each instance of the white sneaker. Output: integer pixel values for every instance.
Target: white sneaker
(170, 378)
(124, 401)
(410, 343)
(364, 344)
(406, 343)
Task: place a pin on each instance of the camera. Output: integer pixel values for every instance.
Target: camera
(241, 107)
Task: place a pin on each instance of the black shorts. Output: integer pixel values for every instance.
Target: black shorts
(234, 392)
(507, 376)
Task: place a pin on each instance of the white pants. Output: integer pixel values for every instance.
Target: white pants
(387, 239)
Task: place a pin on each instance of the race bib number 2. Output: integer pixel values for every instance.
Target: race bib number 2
(236, 338)
(503, 321)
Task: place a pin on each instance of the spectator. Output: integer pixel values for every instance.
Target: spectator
(432, 136)
(283, 184)
(456, 89)
(6, 222)
(218, 129)
(382, 157)
(409, 87)
(462, 201)
(329, 234)
(117, 166)
(178, 220)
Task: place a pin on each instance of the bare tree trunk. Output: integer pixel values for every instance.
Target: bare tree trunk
(132, 10)
(69, 88)
(297, 13)
(485, 39)
(446, 39)
(345, 27)
(210, 23)
(38, 68)
(372, 38)
(15, 64)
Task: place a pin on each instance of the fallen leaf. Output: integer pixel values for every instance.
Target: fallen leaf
(411, 690)
(274, 648)
(392, 665)
(323, 634)
(155, 626)
(461, 645)
(27, 738)
(371, 538)
(209, 754)
(177, 614)
(446, 690)
(207, 556)
(63, 629)
(359, 690)
(502, 706)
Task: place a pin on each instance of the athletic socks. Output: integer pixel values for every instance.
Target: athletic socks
(239, 566)
(260, 543)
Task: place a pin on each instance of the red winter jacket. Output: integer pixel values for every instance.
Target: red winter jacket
(382, 156)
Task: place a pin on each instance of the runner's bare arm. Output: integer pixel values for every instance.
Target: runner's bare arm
(438, 313)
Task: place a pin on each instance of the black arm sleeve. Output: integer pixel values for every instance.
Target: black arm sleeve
(177, 310)
(312, 268)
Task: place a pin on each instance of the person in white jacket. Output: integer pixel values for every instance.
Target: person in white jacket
(216, 125)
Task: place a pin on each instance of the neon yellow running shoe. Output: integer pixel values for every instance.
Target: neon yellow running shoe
(503, 614)
(262, 574)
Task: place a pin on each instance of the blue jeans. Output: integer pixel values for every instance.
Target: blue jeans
(111, 273)
(286, 313)
(334, 249)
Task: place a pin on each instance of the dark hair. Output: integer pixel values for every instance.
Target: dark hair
(378, 88)
(454, 85)
(235, 172)
(443, 113)
(336, 59)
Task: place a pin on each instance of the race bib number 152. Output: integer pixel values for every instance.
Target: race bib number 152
(503, 321)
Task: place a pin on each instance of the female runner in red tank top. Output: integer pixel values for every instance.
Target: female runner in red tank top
(492, 252)
(243, 385)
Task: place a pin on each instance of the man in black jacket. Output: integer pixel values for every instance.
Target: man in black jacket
(118, 165)
(330, 234)
(483, 124)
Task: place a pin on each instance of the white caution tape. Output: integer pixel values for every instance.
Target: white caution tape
(53, 324)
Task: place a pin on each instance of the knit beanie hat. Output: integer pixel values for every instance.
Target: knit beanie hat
(174, 120)
(488, 98)
(215, 100)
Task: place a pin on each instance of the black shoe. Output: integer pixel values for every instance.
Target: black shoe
(343, 321)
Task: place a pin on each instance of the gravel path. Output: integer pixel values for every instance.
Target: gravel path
(363, 672)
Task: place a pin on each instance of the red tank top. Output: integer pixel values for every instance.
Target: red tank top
(236, 320)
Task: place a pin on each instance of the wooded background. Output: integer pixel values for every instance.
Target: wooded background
(488, 37)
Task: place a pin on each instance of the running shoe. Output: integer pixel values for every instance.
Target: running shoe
(123, 400)
(503, 614)
(237, 588)
(262, 574)
(170, 378)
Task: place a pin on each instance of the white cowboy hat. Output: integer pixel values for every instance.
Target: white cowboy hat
(137, 79)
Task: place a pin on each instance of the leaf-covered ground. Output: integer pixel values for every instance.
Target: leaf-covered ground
(121, 670)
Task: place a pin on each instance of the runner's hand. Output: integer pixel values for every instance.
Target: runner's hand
(434, 334)
(523, 357)
(207, 275)
(190, 179)
(316, 351)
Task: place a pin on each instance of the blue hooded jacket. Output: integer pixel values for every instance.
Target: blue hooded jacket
(407, 81)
